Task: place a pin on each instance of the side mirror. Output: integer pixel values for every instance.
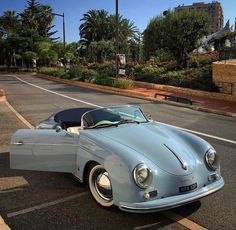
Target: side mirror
(58, 128)
(149, 117)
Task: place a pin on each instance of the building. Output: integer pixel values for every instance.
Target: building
(214, 10)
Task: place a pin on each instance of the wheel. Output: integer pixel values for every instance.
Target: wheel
(100, 185)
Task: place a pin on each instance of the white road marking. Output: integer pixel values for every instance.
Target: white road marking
(88, 103)
(146, 226)
(59, 94)
(45, 205)
(202, 134)
(11, 190)
(20, 117)
(183, 221)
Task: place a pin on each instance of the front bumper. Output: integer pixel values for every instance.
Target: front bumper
(173, 201)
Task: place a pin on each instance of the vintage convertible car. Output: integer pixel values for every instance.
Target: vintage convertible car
(127, 159)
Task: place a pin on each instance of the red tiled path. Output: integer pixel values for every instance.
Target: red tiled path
(202, 102)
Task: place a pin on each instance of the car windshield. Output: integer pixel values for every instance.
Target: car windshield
(112, 116)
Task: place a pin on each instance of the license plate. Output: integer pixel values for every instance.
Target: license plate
(188, 188)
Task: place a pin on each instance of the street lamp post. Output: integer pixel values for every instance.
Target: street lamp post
(4, 37)
(64, 35)
(117, 38)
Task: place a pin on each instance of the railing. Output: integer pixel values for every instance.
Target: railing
(227, 53)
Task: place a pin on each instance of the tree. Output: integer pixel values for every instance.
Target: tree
(94, 27)
(47, 56)
(9, 22)
(36, 20)
(179, 33)
(101, 51)
(99, 30)
(28, 57)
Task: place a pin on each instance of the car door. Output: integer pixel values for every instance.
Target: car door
(44, 150)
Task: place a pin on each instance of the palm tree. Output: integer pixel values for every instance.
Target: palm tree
(94, 26)
(38, 17)
(127, 29)
(9, 21)
(44, 19)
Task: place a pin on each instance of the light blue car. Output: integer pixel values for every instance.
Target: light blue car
(127, 160)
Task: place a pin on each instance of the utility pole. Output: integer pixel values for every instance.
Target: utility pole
(117, 38)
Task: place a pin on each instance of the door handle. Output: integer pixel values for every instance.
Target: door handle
(19, 143)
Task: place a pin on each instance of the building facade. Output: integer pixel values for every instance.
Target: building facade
(214, 10)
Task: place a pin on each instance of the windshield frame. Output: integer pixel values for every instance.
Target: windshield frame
(118, 122)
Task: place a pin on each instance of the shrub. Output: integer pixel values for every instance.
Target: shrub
(75, 72)
(104, 69)
(103, 80)
(48, 70)
(148, 73)
(200, 60)
(16, 69)
(53, 71)
(200, 78)
(89, 75)
(123, 83)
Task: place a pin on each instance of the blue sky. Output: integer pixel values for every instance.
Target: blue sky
(138, 11)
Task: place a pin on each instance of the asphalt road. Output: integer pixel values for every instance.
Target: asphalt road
(36, 99)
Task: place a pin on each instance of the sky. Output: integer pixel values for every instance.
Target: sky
(138, 11)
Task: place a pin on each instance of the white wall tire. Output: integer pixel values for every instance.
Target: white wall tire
(100, 185)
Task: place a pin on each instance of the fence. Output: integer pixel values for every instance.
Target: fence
(227, 53)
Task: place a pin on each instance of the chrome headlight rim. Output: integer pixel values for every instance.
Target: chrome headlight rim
(213, 165)
(147, 180)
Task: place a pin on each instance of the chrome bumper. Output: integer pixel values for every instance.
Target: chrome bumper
(173, 201)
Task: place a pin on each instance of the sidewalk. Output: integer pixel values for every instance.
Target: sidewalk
(201, 103)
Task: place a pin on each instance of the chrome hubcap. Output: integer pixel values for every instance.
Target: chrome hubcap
(103, 186)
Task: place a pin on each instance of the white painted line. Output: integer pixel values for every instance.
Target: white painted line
(20, 117)
(11, 190)
(146, 226)
(88, 103)
(45, 205)
(59, 94)
(183, 221)
(202, 134)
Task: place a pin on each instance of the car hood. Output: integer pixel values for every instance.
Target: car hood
(161, 145)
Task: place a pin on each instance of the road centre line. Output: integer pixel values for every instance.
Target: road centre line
(45, 205)
(88, 103)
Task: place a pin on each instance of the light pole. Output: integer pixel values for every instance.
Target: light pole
(64, 35)
(117, 38)
(4, 37)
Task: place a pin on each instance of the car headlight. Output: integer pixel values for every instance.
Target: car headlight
(142, 176)
(211, 159)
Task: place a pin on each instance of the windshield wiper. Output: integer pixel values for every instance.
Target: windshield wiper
(126, 121)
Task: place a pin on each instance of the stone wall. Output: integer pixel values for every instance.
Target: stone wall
(174, 89)
(224, 76)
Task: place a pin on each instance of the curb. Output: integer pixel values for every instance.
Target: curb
(129, 94)
(3, 225)
(2, 95)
